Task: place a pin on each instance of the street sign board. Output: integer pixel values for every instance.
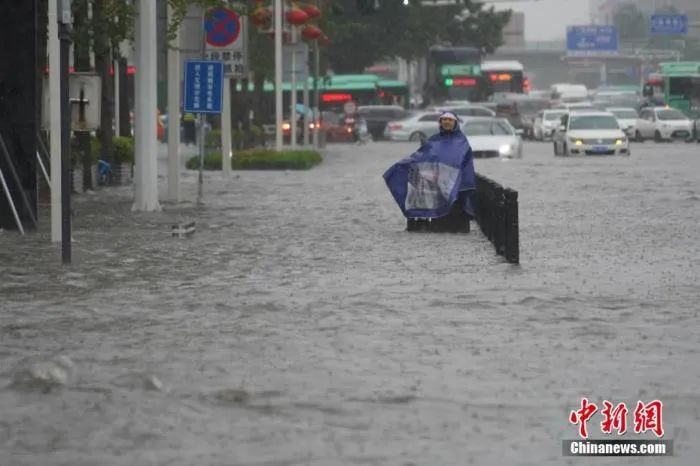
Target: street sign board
(669, 24)
(591, 40)
(85, 96)
(300, 51)
(227, 40)
(204, 81)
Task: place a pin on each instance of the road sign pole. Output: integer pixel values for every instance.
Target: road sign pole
(226, 130)
(278, 75)
(202, 121)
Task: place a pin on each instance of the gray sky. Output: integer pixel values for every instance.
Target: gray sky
(547, 19)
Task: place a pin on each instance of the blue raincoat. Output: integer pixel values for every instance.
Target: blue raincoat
(428, 183)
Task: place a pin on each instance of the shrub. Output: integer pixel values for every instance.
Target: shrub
(213, 139)
(123, 149)
(261, 159)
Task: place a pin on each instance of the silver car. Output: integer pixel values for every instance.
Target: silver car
(493, 137)
(546, 124)
(416, 127)
(627, 117)
(470, 110)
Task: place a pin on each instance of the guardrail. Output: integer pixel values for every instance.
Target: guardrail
(496, 210)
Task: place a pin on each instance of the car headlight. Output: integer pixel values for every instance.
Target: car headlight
(576, 141)
(505, 149)
(619, 142)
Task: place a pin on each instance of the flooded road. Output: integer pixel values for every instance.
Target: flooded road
(301, 325)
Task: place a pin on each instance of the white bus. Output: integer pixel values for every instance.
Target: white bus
(504, 76)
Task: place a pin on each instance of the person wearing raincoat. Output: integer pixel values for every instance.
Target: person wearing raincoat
(438, 180)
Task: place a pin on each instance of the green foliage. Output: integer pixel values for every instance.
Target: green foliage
(632, 24)
(123, 149)
(396, 30)
(213, 139)
(261, 159)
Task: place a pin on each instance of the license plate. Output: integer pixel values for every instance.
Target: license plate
(600, 149)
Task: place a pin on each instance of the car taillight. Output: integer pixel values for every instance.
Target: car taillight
(394, 126)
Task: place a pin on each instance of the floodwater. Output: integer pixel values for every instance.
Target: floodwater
(301, 325)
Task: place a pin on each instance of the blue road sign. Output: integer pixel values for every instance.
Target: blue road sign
(669, 24)
(591, 40)
(204, 81)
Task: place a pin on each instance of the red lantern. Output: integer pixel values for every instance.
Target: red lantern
(297, 16)
(311, 32)
(312, 11)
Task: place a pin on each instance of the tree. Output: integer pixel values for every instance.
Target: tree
(632, 24)
(407, 31)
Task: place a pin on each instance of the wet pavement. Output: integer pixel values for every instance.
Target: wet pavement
(301, 325)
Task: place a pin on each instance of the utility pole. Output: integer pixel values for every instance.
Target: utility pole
(64, 32)
(54, 46)
(145, 113)
(174, 116)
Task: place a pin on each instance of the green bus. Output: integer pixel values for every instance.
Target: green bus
(679, 85)
(336, 90)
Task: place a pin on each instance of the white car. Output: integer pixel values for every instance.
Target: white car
(627, 117)
(493, 137)
(578, 106)
(415, 128)
(663, 124)
(590, 133)
(546, 123)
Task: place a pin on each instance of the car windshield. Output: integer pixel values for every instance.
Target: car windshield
(553, 116)
(593, 122)
(628, 114)
(487, 128)
(670, 115)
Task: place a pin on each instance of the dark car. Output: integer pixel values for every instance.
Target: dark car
(377, 117)
(521, 111)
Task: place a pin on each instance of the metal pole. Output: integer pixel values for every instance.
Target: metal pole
(278, 75)
(11, 202)
(202, 121)
(43, 169)
(226, 130)
(115, 65)
(317, 109)
(306, 97)
(174, 74)
(18, 181)
(64, 36)
(55, 120)
(293, 99)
